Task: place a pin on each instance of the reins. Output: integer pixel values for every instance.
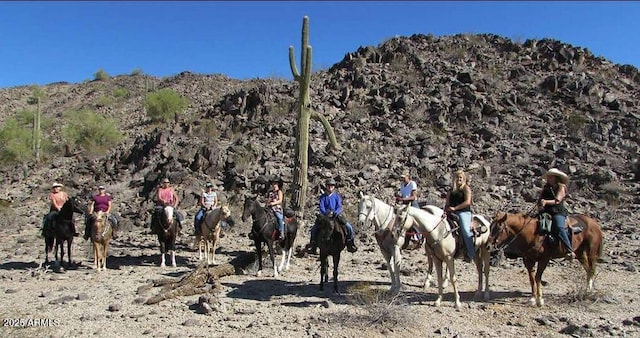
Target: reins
(504, 246)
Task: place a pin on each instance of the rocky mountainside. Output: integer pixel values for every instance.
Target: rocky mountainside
(503, 111)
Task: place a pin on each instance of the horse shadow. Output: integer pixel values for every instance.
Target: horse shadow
(19, 265)
(421, 297)
(267, 289)
(118, 262)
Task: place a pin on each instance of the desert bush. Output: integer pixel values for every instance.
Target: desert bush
(576, 122)
(136, 72)
(16, 140)
(104, 101)
(120, 93)
(94, 133)
(100, 75)
(164, 104)
(382, 307)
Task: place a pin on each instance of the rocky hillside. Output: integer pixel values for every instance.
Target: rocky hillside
(503, 111)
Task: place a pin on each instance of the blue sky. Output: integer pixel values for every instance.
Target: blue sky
(45, 42)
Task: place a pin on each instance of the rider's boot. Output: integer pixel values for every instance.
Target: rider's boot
(312, 248)
(351, 246)
(87, 232)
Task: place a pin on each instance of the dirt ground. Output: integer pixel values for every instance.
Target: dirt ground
(80, 302)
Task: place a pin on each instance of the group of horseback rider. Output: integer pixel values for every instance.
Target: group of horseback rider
(458, 203)
(101, 201)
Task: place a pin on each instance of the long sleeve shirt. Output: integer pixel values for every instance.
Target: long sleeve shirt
(332, 202)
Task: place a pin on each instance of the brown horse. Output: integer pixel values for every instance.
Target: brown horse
(209, 233)
(165, 226)
(101, 233)
(518, 236)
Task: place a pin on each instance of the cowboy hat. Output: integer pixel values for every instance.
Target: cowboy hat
(405, 174)
(56, 184)
(556, 172)
(101, 187)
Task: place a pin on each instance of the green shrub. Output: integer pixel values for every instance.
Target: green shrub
(16, 140)
(104, 101)
(136, 72)
(120, 93)
(95, 133)
(164, 104)
(101, 75)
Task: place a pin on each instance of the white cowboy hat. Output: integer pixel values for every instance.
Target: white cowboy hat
(56, 184)
(556, 172)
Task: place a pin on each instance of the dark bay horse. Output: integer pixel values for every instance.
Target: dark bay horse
(165, 226)
(518, 236)
(264, 230)
(331, 241)
(61, 229)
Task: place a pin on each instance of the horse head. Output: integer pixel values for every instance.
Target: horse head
(225, 212)
(498, 233)
(250, 203)
(327, 225)
(366, 209)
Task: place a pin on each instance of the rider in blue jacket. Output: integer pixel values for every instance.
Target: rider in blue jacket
(331, 204)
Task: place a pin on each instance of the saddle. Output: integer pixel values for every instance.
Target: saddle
(573, 225)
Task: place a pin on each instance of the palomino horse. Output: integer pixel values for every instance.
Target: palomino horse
(209, 232)
(164, 224)
(331, 241)
(388, 234)
(60, 230)
(264, 230)
(101, 232)
(441, 245)
(518, 234)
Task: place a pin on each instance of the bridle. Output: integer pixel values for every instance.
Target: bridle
(387, 218)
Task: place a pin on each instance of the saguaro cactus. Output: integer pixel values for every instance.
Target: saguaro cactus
(36, 98)
(301, 164)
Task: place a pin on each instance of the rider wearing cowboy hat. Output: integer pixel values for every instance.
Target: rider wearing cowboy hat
(57, 199)
(551, 201)
(331, 204)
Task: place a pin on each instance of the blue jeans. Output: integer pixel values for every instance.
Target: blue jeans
(314, 231)
(560, 231)
(465, 230)
(280, 219)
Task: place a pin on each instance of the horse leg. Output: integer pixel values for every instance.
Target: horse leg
(478, 260)
(542, 264)
(173, 258)
(324, 265)
(438, 264)
(273, 259)
(96, 256)
(259, 253)
(336, 264)
(454, 283)
(216, 238)
(172, 249)
(529, 264)
(162, 251)
(397, 260)
(485, 267)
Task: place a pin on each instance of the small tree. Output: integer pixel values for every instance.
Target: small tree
(164, 105)
(95, 133)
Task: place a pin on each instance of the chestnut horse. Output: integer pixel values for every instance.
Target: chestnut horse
(101, 232)
(518, 236)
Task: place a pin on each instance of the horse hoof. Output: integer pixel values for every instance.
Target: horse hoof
(458, 306)
(162, 265)
(540, 302)
(259, 273)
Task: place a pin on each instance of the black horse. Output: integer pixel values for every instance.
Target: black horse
(60, 229)
(165, 225)
(265, 230)
(331, 241)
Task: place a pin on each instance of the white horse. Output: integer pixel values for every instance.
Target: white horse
(389, 234)
(441, 244)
